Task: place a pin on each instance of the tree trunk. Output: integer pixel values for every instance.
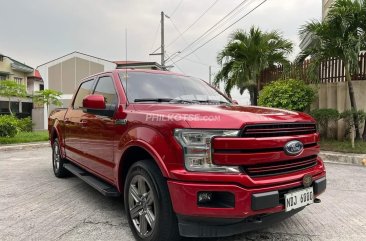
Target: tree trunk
(253, 93)
(364, 132)
(255, 96)
(353, 101)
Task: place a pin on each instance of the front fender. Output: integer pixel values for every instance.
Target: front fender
(152, 141)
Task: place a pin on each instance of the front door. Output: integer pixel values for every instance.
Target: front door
(99, 128)
(74, 129)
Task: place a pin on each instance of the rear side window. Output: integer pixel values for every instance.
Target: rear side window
(84, 90)
(105, 87)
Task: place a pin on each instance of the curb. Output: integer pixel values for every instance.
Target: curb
(32, 145)
(343, 158)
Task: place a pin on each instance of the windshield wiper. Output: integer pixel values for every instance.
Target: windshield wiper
(213, 101)
(168, 100)
(153, 100)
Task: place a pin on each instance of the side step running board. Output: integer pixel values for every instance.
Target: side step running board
(104, 188)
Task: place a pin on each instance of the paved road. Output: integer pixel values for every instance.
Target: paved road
(34, 205)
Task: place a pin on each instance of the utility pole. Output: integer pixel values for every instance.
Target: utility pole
(209, 74)
(162, 46)
(162, 41)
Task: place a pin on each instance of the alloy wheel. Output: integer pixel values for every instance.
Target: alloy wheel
(56, 157)
(142, 206)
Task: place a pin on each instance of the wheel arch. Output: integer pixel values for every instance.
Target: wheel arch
(137, 151)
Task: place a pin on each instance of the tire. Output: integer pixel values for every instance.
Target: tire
(57, 160)
(147, 204)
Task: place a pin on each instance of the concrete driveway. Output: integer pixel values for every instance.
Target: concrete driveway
(35, 205)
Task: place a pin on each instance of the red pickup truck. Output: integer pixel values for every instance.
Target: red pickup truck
(187, 160)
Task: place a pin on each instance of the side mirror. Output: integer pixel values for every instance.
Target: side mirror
(95, 102)
(235, 102)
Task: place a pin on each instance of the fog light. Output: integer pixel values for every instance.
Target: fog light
(204, 197)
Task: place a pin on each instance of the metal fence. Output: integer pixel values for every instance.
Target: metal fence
(330, 71)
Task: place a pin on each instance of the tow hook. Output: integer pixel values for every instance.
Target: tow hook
(317, 200)
(255, 219)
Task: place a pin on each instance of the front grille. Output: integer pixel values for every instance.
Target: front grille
(276, 168)
(282, 129)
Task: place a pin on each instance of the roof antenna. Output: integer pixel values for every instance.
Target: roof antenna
(126, 75)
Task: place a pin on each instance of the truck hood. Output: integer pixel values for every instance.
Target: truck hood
(219, 116)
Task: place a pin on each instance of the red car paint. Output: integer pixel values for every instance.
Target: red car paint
(99, 147)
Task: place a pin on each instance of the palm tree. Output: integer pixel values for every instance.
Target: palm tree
(340, 36)
(246, 55)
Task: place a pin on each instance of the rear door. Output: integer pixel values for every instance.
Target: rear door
(74, 127)
(100, 130)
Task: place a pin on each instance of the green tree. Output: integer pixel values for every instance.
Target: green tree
(9, 89)
(246, 55)
(339, 35)
(47, 97)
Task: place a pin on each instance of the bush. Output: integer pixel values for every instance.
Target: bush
(347, 116)
(25, 124)
(288, 94)
(8, 126)
(326, 121)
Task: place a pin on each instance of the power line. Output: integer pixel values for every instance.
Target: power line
(176, 8)
(257, 6)
(175, 64)
(207, 31)
(176, 28)
(196, 62)
(194, 22)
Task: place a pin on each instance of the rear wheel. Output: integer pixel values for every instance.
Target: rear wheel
(57, 160)
(147, 204)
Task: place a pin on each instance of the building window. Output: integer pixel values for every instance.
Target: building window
(41, 87)
(1, 58)
(18, 80)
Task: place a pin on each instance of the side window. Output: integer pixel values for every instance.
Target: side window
(105, 87)
(83, 91)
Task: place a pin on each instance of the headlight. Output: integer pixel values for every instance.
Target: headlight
(197, 149)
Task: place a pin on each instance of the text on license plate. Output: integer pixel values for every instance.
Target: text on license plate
(299, 198)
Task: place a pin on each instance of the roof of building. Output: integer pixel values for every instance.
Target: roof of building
(73, 53)
(36, 75)
(18, 63)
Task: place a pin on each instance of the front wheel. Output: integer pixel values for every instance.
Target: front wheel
(147, 204)
(57, 160)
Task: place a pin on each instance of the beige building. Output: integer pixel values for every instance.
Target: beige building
(64, 75)
(325, 7)
(11, 69)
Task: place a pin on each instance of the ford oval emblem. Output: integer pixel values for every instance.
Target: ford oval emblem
(293, 148)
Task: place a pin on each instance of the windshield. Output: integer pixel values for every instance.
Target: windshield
(154, 87)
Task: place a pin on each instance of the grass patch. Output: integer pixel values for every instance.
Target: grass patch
(24, 137)
(343, 146)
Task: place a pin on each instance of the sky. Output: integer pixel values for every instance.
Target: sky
(37, 31)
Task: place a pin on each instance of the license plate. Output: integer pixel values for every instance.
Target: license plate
(299, 198)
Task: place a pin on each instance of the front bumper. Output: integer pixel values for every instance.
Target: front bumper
(267, 203)
(208, 228)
